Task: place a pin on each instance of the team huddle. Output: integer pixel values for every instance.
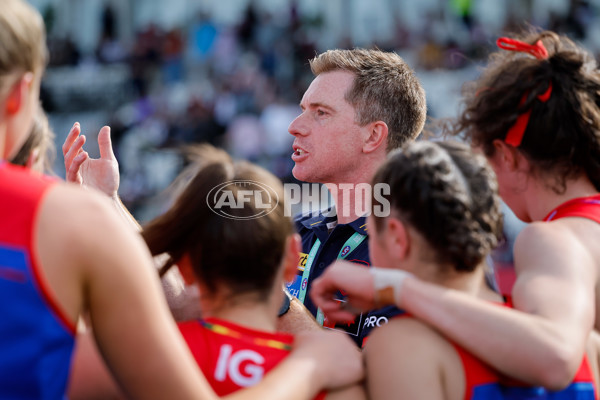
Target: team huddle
(205, 304)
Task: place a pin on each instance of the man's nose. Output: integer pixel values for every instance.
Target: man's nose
(298, 126)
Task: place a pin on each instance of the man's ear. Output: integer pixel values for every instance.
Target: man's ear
(291, 257)
(18, 94)
(397, 238)
(378, 134)
(186, 270)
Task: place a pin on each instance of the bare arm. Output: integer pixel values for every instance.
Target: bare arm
(89, 378)
(320, 360)
(543, 343)
(95, 263)
(356, 392)
(593, 353)
(106, 270)
(297, 319)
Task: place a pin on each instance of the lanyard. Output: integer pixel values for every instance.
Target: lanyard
(352, 243)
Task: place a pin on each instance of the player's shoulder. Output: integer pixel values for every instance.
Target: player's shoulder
(408, 334)
(79, 214)
(72, 199)
(407, 344)
(549, 238)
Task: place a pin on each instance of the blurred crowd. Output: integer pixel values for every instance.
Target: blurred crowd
(237, 86)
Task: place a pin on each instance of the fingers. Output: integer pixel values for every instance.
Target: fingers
(340, 316)
(73, 151)
(72, 174)
(322, 293)
(105, 144)
(73, 134)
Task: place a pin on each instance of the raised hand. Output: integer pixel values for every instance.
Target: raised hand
(101, 173)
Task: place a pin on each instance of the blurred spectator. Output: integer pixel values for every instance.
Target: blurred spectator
(236, 83)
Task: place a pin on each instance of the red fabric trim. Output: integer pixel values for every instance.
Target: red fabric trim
(585, 207)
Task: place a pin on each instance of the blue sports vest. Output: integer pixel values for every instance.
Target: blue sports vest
(36, 340)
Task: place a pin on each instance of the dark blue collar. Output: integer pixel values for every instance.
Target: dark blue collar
(320, 220)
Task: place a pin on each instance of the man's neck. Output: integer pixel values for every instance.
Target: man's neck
(351, 201)
(351, 192)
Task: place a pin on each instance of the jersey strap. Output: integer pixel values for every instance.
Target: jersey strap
(585, 207)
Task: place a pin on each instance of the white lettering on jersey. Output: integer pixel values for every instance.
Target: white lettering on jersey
(373, 321)
(229, 364)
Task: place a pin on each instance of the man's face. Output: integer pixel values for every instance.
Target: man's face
(328, 142)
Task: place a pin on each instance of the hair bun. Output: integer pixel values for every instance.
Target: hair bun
(566, 63)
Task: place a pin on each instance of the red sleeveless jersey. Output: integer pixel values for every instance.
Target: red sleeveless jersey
(483, 383)
(584, 207)
(232, 356)
(36, 340)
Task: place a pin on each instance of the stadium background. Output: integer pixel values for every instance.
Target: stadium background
(164, 74)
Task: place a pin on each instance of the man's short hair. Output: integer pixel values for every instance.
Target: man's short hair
(385, 89)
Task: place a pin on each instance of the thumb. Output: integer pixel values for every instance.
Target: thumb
(105, 144)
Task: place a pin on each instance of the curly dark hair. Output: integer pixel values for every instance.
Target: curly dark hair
(562, 139)
(241, 252)
(449, 195)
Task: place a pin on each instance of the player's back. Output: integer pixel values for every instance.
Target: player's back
(424, 364)
(232, 356)
(36, 343)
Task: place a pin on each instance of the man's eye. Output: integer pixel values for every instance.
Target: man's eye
(320, 112)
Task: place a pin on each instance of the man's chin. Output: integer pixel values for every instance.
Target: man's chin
(303, 175)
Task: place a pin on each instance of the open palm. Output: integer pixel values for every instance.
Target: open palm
(98, 173)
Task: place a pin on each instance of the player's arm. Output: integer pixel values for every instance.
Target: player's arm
(401, 362)
(89, 378)
(297, 319)
(87, 244)
(356, 392)
(320, 360)
(134, 331)
(541, 344)
(593, 353)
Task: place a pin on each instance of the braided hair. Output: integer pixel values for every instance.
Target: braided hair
(449, 195)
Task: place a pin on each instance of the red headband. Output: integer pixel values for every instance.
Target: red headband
(516, 132)
(537, 50)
